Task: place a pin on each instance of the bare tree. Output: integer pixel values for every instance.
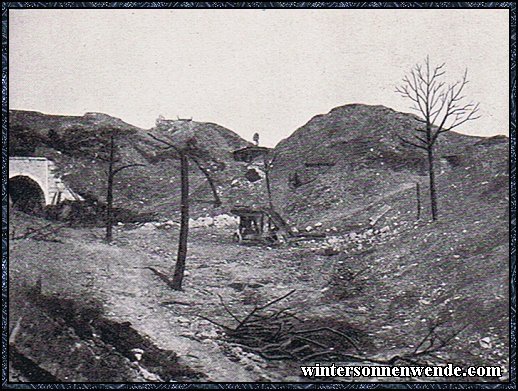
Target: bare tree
(441, 108)
(183, 154)
(82, 143)
(112, 159)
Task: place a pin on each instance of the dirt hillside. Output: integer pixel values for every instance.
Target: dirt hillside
(376, 268)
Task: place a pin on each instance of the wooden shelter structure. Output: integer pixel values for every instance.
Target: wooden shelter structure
(250, 153)
(260, 225)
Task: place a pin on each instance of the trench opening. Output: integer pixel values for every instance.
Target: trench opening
(252, 175)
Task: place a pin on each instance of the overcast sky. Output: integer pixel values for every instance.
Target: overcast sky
(266, 71)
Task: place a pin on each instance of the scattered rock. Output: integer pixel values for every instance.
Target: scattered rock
(485, 343)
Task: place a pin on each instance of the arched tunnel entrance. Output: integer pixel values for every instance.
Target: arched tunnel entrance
(26, 195)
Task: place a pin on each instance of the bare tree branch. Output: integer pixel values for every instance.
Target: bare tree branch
(435, 101)
(217, 199)
(425, 142)
(411, 143)
(170, 145)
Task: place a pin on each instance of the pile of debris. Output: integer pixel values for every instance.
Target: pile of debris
(219, 221)
(45, 233)
(279, 334)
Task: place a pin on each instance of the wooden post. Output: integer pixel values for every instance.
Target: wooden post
(267, 166)
(418, 195)
(431, 174)
(109, 195)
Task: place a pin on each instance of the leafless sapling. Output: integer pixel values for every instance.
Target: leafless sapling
(111, 158)
(441, 107)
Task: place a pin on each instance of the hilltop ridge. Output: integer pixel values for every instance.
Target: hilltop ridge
(332, 166)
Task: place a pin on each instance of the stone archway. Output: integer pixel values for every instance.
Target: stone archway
(26, 195)
(44, 173)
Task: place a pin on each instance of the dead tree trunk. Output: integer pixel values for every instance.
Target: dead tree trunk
(184, 223)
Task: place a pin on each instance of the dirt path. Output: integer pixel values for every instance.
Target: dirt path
(133, 293)
(245, 276)
(118, 275)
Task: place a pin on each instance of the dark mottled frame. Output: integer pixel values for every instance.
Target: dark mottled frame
(512, 188)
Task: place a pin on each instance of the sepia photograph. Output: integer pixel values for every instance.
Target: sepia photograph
(258, 194)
